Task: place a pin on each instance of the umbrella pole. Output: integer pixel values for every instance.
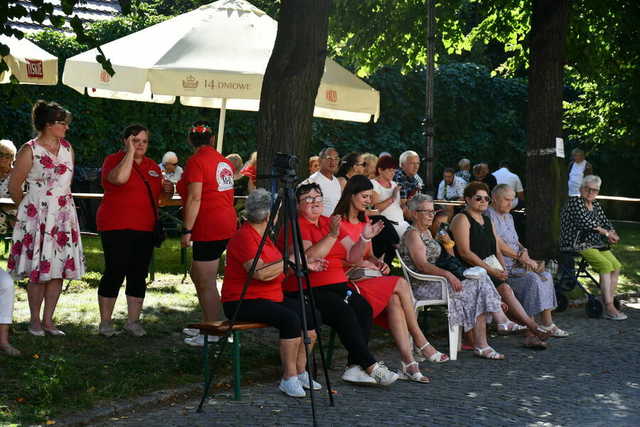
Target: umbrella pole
(223, 114)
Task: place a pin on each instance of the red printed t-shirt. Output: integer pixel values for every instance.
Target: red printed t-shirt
(216, 218)
(243, 247)
(336, 257)
(127, 206)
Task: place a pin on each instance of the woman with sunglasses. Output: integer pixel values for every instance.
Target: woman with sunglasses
(476, 245)
(46, 237)
(341, 308)
(390, 297)
(352, 164)
(584, 228)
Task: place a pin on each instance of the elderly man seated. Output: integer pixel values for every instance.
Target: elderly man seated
(407, 178)
(451, 188)
(169, 167)
(530, 283)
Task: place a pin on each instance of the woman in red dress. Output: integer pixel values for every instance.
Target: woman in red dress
(390, 297)
(210, 220)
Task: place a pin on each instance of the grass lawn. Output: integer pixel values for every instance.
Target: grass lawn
(61, 375)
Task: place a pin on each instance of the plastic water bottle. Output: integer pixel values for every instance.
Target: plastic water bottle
(346, 299)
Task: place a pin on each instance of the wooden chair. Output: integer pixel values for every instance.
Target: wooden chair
(455, 335)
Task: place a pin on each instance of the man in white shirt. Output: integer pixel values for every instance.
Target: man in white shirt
(325, 178)
(450, 188)
(505, 176)
(578, 169)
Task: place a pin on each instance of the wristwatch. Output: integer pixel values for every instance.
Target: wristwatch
(186, 231)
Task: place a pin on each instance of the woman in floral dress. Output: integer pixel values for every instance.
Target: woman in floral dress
(46, 238)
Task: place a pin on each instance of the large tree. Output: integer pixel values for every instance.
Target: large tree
(546, 174)
(291, 81)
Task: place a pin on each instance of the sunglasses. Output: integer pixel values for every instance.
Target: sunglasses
(593, 190)
(481, 198)
(310, 199)
(171, 164)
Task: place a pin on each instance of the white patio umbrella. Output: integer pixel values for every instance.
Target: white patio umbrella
(29, 63)
(214, 56)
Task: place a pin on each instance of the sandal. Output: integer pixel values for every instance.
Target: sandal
(510, 328)
(436, 357)
(535, 343)
(416, 376)
(554, 331)
(541, 334)
(487, 353)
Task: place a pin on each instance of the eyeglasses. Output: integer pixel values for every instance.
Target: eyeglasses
(334, 159)
(61, 122)
(481, 198)
(171, 164)
(593, 190)
(310, 199)
(429, 212)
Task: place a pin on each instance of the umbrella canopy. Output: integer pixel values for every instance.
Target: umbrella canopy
(28, 63)
(214, 56)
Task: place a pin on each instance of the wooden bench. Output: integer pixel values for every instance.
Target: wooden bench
(219, 329)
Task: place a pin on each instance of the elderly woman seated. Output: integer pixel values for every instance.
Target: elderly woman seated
(476, 245)
(264, 300)
(584, 228)
(531, 284)
(473, 301)
(169, 167)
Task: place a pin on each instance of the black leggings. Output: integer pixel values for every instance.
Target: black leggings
(127, 253)
(286, 316)
(351, 321)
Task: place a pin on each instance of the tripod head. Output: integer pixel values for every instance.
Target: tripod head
(284, 169)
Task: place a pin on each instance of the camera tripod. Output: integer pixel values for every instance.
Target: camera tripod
(286, 203)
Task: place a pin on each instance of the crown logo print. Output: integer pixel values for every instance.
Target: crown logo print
(190, 82)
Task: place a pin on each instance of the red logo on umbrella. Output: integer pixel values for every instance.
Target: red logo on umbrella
(331, 95)
(34, 69)
(104, 76)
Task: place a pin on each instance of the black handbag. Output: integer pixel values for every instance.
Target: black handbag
(450, 263)
(159, 235)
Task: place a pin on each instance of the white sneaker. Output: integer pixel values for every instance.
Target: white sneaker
(292, 387)
(191, 332)
(355, 374)
(382, 375)
(304, 380)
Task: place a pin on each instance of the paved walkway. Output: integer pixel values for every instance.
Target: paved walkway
(591, 378)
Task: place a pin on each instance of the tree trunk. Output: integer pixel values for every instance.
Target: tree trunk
(428, 118)
(291, 82)
(546, 174)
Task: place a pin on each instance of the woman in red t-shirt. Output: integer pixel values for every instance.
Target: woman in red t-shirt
(264, 300)
(126, 220)
(391, 300)
(341, 307)
(210, 219)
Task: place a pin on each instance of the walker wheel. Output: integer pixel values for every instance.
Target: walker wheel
(593, 308)
(563, 303)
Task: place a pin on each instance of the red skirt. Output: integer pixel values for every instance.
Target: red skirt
(377, 291)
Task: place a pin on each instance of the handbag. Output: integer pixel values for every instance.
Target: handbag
(493, 262)
(450, 263)
(361, 273)
(158, 233)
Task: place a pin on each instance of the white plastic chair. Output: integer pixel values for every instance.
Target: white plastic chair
(455, 336)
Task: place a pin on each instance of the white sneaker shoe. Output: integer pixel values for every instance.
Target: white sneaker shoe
(191, 332)
(382, 375)
(304, 380)
(355, 374)
(292, 387)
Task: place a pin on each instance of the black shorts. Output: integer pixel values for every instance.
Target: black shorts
(209, 251)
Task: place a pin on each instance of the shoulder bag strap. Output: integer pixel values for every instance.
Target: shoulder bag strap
(154, 207)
